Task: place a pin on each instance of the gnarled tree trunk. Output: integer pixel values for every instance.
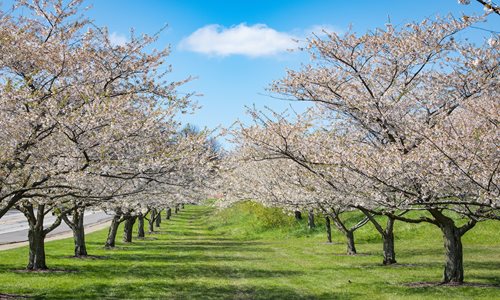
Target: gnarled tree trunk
(113, 230)
(453, 268)
(140, 226)
(158, 219)
(176, 209)
(37, 234)
(79, 239)
(388, 241)
(128, 229)
(452, 236)
(151, 220)
(169, 213)
(77, 226)
(36, 238)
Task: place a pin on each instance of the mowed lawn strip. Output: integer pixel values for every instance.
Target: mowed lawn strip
(239, 253)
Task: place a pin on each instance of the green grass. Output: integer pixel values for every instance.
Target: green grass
(251, 252)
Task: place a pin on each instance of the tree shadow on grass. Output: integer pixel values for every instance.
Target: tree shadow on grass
(182, 271)
(468, 265)
(167, 290)
(495, 280)
(182, 258)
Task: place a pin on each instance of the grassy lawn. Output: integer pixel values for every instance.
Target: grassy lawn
(248, 252)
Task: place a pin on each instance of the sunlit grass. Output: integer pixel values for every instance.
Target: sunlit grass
(249, 252)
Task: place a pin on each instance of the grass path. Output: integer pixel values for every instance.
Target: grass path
(187, 260)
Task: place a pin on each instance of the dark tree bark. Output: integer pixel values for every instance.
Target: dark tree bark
(388, 240)
(452, 236)
(37, 234)
(140, 226)
(151, 220)
(36, 238)
(182, 205)
(77, 226)
(298, 215)
(158, 219)
(387, 235)
(348, 232)
(128, 229)
(454, 269)
(113, 230)
(328, 229)
(176, 209)
(169, 213)
(351, 246)
(310, 219)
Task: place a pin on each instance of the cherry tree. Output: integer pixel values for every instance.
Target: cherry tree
(86, 121)
(294, 150)
(417, 108)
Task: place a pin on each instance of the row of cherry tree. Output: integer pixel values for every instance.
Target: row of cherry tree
(404, 125)
(86, 123)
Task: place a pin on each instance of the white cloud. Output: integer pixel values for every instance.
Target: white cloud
(117, 39)
(256, 40)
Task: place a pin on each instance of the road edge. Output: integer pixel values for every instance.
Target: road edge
(58, 236)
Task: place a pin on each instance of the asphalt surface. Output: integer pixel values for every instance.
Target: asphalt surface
(14, 227)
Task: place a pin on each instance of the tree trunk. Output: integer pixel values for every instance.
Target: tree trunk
(79, 232)
(328, 229)
(388, 241)
(140, 226)
(80, 246)
(182, 205)
(79, 239)
(36, 238)
(348, 233)
(298, 215)
(151, 221)
(169, 213)
(128, 229)
(176, 209)
(454, 269)
(158, 219)
(113, 229)
(37, 234)
(452, 236)
(310, 219)
(351, 248)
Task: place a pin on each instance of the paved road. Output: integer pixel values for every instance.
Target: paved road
(14, 227)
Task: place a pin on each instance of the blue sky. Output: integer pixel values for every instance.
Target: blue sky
(232, 74)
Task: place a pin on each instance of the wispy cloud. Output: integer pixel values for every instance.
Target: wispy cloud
(254, 41)
(117, 39)
(321, 30)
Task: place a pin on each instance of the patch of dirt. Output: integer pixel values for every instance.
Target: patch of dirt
(358, 254)
(88, 257)
(436, 284)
